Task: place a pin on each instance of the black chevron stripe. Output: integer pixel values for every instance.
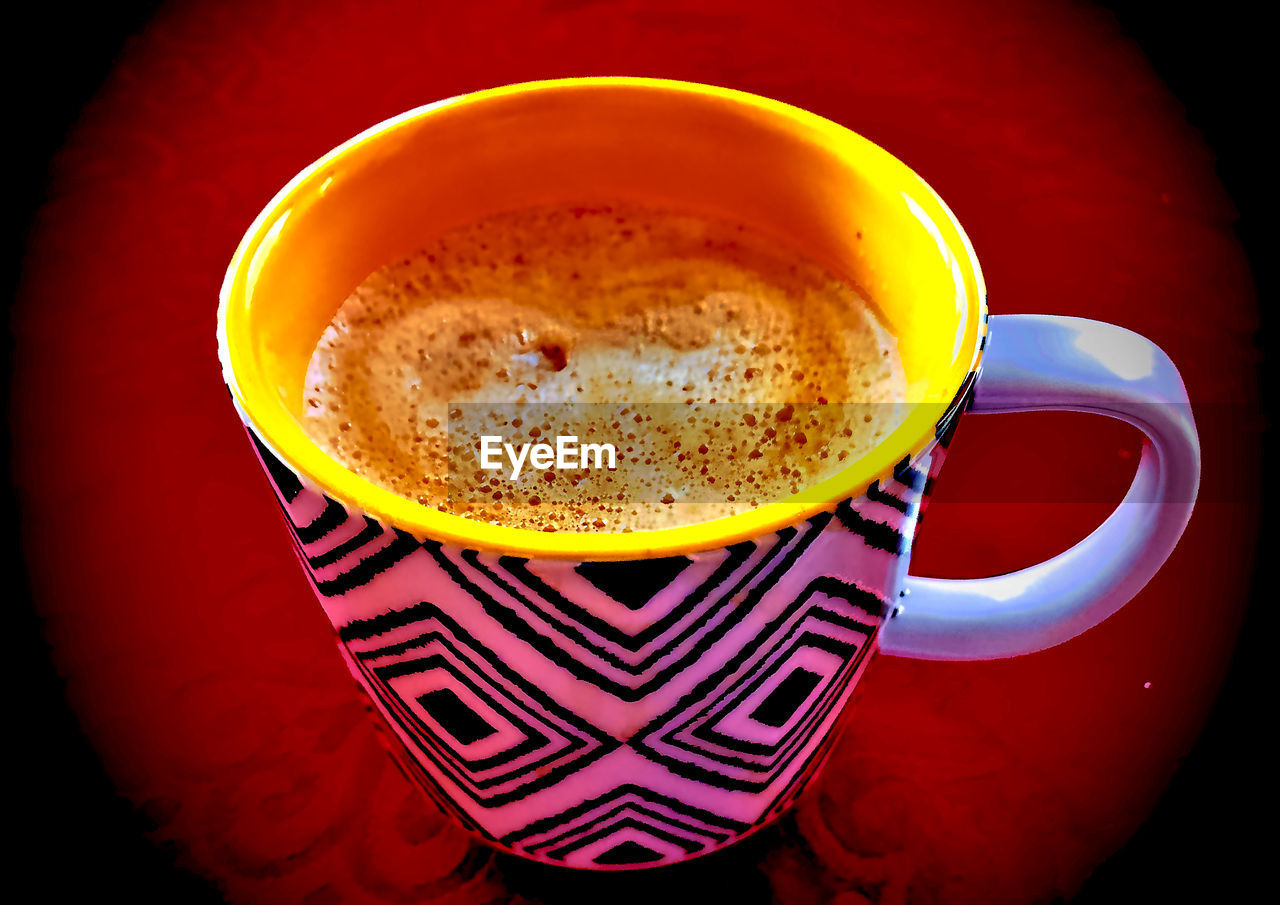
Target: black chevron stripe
(572, 632)
(458, 769)
(424, 611)
(866, 600)
(876, 495)
(633, 807)
(281, 475)
(372, 626)
(801, 732)
(706, 730)
(829, 587)
(554, 821)
(533, 738)
(334, 514)
(538, 776)
(548, 648)
(797, 738)
(635, 643)
(370, 567)
(823, 642)
(633, 583)
(908, 476)
(367, 534)
(877, 535)
(738, 554)
(522, 630)
(688, 845)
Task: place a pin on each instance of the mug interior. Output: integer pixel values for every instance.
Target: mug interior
(814, 185)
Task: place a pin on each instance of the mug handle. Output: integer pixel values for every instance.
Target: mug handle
(1037, 362)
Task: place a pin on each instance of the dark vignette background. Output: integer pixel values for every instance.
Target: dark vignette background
(78, 838)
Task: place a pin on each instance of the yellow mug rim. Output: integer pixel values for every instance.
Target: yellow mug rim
(265, 414)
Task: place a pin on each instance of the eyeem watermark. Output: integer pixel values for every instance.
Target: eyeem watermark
(567, 453)
(624, 454)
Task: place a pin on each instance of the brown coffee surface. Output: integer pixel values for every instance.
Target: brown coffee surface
(727, 369)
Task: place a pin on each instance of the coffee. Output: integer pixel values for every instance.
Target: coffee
(724, 370)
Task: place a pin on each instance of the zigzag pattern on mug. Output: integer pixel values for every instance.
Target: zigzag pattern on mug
(704, 617)
(629, 666)
(628, 825)
(745, 726)
(496, 736)
(369, 549)
(379, 547)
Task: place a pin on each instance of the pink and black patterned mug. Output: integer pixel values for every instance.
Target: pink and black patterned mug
(625, 700)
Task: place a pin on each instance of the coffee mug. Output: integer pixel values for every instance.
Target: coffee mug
(626, 700)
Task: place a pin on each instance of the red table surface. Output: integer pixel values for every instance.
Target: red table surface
(204, 672)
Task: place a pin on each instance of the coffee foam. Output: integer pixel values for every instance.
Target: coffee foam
(582, 321)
